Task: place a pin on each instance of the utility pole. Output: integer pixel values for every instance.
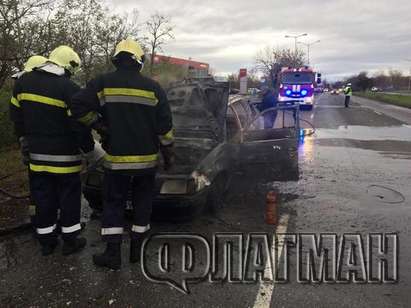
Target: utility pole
(308, 45)
(409, 77)
(296, 37)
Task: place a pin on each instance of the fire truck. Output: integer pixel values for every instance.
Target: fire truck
(298, 85)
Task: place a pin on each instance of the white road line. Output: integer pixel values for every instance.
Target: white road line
(265, 290)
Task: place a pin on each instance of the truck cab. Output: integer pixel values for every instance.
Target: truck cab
(297, 84)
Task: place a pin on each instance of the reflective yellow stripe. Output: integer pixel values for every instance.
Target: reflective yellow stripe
(15, 102)
(131, 159)
(168, 136)
(69, 112)
(88, 119)
(41, 99)
(130, 92)
(167, 139)
(60, 170)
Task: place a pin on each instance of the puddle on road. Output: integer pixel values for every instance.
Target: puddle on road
(391, 141)
(367, 133)
(389, 148)
(385, 194)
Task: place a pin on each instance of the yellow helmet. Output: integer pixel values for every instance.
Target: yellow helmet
(66, 58)
(132, 47)
(32, 62)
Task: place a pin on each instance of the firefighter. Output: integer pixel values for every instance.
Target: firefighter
(132, 114)
(40, 109)
(269, 101)
(348, 94)
(31, 63)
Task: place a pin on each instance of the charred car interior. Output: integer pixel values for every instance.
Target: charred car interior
(215, 134)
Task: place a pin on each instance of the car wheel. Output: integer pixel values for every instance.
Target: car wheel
(216, 195)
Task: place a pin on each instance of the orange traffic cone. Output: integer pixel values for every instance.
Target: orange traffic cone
(271, 208)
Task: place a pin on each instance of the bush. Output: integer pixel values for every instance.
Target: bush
(7, 136)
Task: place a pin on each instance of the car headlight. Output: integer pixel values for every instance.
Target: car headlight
(200, 180)
(177, 187)
(188, 186)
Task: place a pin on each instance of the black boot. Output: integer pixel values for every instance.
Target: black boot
(111, 257)
(73, 245)
(48, 247)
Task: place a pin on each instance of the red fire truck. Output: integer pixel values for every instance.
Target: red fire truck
(297, 85)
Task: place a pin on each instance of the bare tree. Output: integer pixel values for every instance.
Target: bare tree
(29, 27)
(18, 27)
(397, 79)
(113, 29)
(269, 61)
(91, 30)
(159, 30)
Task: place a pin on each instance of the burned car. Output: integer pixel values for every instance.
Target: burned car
(214, 135)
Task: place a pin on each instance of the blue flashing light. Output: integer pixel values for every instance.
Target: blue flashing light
(288, 92)
(304, 92)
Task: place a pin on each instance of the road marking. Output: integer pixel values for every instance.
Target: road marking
(265, 290)
(377, 112)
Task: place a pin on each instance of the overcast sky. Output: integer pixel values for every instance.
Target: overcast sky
(355, 35)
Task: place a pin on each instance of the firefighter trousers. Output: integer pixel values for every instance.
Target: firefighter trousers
(116, 192)
(51, 192)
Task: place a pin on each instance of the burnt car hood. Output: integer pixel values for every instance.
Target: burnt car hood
(199, 115)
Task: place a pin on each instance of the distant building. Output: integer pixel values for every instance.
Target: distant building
(194, 69)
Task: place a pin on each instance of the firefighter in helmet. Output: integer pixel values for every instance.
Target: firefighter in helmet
(40, 109)
(132, 115)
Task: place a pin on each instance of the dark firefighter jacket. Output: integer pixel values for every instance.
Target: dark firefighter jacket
(40, 110)
(135, 111)
(269, 101)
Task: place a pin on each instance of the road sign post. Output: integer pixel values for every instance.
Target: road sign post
(243, 81)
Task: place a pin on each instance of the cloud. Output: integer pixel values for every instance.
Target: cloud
(355, 35)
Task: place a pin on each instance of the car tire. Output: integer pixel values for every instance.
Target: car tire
(216, 195)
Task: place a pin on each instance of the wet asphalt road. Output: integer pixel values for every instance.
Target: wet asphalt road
(351, 150)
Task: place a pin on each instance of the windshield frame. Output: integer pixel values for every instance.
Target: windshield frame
(298, 81)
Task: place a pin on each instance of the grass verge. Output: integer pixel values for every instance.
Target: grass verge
(393, 99)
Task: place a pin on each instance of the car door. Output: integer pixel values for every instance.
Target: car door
(263, 154)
